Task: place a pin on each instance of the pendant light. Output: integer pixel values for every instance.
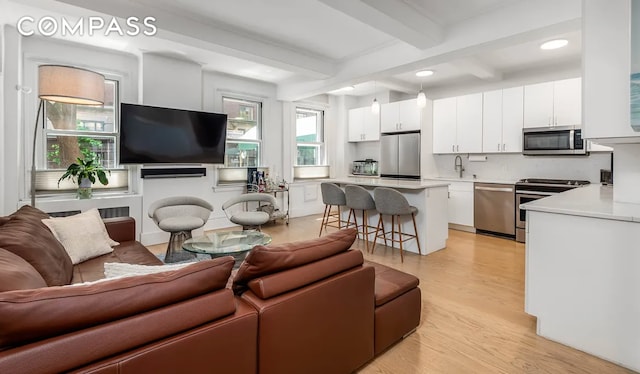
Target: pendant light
(375, 106)
(421, 100)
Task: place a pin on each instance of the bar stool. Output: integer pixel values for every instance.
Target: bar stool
(332, 195)
(359, 198)
(391, 202)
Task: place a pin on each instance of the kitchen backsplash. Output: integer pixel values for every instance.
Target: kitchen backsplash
(516, 166)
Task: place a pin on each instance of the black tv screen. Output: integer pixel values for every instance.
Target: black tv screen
(155, 135)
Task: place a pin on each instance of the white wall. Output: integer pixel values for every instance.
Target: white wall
(21, 57)
(159, 85)
(512, 167)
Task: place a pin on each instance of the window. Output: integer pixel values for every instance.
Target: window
(309, 137)
(83, 131)
(244, 137)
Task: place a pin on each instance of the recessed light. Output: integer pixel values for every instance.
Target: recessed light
(554, 44)
(424, 73)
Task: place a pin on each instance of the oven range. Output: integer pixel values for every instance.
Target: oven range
(531, 189)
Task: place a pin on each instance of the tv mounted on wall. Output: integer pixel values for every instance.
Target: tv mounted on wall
(155, 135)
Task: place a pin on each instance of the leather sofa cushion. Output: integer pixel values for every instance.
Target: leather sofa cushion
(17, 274)
(264, 260)
(130, 252)
(284, 281)
(26, 236)
(31, 315)
(391, 283)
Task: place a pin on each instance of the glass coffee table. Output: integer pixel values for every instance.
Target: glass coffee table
(227, 243)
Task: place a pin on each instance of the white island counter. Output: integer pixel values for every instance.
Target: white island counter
(582, 277)
(431, 199)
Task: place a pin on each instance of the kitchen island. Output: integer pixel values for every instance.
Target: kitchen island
(582, 278)
(430, 197)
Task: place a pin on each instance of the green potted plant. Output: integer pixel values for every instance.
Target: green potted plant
(85, 172)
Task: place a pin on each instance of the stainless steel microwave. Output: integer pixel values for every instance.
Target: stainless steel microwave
(558, 140)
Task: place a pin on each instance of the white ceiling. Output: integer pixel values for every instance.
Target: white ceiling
(310, 47)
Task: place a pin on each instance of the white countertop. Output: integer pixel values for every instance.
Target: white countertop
(471, 179)
(392, 183)
(589, 201)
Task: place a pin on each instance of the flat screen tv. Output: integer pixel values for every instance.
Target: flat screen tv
(155, 135)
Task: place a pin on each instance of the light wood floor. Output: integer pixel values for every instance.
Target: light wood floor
(473, 318)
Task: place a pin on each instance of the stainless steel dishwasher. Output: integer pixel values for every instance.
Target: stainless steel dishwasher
(494, 208)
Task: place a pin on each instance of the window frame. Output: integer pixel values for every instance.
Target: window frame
(320, 130)
(259, 121)
(45, 176)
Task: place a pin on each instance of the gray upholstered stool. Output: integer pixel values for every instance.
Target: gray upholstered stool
(359, 198)
(250, 219)
(391, 202)
(179, 215)
(332, 195)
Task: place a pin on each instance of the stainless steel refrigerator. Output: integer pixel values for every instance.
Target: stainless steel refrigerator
(400, 155)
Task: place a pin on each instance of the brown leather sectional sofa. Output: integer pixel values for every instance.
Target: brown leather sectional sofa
(305, 307)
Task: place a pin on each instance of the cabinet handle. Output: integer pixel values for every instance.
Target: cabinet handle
(400, 125)
(457, 148)
(504, 147)
(498, 147)
(453, 148)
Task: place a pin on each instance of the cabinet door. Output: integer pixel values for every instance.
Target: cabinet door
(370, 125)
(389, 117)
(567, 102)
(492, 121)
(409, 115)
(538, 105)
(444, 125)
(355, 124)
(461, 203)
(469, 124)
(512, 118)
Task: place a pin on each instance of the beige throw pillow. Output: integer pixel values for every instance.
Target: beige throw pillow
(83, 235)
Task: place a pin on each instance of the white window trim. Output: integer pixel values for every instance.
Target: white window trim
(244, 97)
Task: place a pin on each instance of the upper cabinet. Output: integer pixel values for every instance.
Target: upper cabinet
(400, 116)
(502, 117)
(457, 124)
(557, 103)
(363, 125)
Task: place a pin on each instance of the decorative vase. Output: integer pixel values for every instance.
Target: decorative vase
(84, 189)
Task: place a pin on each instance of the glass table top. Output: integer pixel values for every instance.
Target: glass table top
(227, 242)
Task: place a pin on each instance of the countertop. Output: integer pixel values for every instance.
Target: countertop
(590, 201)
(470, 179)
(392, 183)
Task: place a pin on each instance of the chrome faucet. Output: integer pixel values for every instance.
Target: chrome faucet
(458, 165)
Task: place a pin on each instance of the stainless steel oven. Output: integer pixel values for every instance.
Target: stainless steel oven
(528, 190)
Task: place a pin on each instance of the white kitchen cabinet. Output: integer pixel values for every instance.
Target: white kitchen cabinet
(469, 123)
(457, 124)
(363, 125)
(567, 102)
(461, 203)
(502, 116)
(557, 103)
(400, 116)
(444, 125)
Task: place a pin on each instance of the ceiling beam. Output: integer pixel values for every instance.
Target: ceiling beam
(393, 17)
(517, 23)
(477, 68)
(221, 38)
